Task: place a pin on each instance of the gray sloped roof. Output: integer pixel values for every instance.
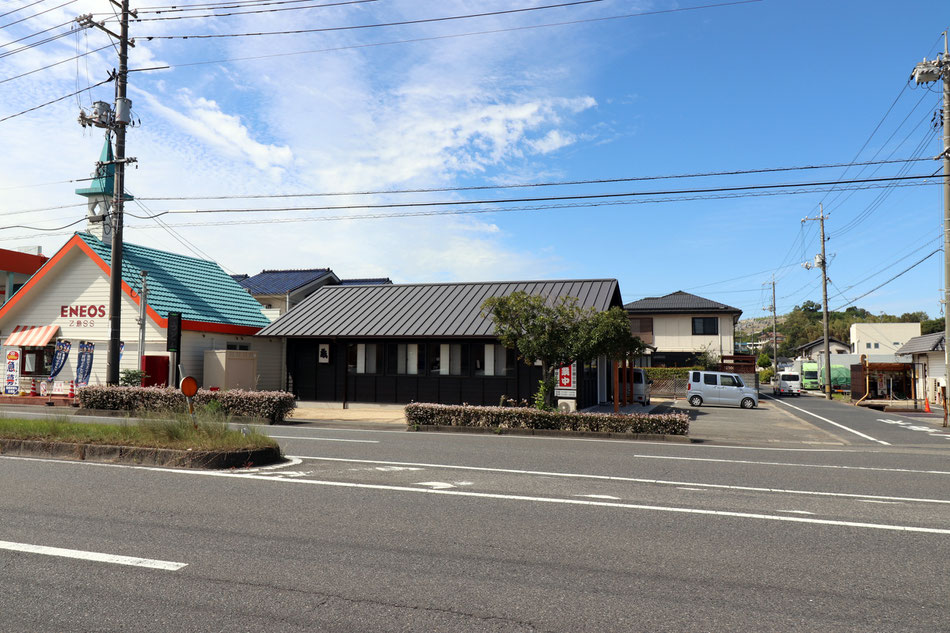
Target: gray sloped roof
(678, 301)
(922, 344)
(831, 339)
(429, 310)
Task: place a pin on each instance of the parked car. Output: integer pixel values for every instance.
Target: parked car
(641, 386)
(787, 383)
(716, 387)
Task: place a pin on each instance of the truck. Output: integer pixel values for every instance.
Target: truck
(810, 375)
(840, 378)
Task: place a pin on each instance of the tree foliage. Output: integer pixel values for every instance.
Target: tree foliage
(559, 333)
(804, 324)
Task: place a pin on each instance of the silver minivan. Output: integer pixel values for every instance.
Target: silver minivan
(716, 387)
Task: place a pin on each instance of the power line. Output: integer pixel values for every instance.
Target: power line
(437, 37)
(32, 35)
(447, 212)
(207, 6)
(591, 196)
(59, 6)
(561, 183)
(43, 105)
(25, 6)
(33, 45)
(328, 29)
(63, 61)
(222, 15)
(908, 269)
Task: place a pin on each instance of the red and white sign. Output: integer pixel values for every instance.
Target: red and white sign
(566, 381)
(83, 311)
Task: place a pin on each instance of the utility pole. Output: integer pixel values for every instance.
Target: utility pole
(774, 330)
(926, 72)
(823, 263)
(117, 122)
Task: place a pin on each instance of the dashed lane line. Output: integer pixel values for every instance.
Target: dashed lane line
(98, 557)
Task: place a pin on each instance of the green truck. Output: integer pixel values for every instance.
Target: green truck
(840, 378)
(810, 376)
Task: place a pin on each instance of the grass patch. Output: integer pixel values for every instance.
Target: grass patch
(173, 431)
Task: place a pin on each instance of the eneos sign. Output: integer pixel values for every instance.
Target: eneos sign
(83, 312)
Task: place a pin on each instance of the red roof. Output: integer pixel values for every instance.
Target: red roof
(17, 262)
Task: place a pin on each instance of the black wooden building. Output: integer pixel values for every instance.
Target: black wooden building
(422, 343)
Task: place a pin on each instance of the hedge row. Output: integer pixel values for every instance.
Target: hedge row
(526, 418)
(665, 373)
(269, 405)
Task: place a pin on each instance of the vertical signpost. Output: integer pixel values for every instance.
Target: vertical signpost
(566, 383)
(173, 345)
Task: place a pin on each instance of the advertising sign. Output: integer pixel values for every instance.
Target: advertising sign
(566, 381)
(59, 358)
(84, 364)
(11, 372)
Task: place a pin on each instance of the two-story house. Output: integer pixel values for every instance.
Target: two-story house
(681, 325)
(881, 338)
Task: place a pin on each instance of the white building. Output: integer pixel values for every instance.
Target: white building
(68, 300)
(881, 338)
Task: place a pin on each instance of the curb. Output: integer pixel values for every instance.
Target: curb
(140, 456)
(485, 430)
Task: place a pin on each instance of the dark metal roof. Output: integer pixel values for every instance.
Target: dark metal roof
(367, 281)
(831, 339)
(276, 282)
(678, 301)
(429, 310)
(923, 344)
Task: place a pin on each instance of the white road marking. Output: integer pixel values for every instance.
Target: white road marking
(291, 461)
(879, 501)
(687, 488)
(436, 485)
(485, 495)
(93, 556)
(395, 468)
(321, 439)
(832, 422)
(797, 511)
(663, 482)
(599, 497)
(602, 504)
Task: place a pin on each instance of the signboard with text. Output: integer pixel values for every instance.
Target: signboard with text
(11, 371)
(566, 381)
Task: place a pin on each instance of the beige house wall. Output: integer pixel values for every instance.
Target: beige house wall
(883, 338)
(674, 333)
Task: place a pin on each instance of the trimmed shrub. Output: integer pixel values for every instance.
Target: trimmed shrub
(666, 373)
(526, 418)
(269, 405)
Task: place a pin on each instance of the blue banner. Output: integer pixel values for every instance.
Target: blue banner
(84, 365)
(59, 359)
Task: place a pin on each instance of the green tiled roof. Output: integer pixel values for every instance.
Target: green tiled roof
(197, 288)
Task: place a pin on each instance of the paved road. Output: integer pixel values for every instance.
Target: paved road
(370, 530)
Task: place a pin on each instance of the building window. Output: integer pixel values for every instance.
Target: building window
(363, 358)
(244, 347)
(705, 325)
(492, 360)
(877, 346)
(869, 345)
(37, 361)
(448, 359)
(405, 359)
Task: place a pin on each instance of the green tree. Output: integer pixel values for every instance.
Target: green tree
(559, 333)
(764, 360)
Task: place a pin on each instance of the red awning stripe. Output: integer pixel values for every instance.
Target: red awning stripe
(31, 335)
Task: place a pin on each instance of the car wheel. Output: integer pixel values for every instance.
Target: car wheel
(695, 401)
(748, 403)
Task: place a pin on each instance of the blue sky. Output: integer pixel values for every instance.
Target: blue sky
(756, 85)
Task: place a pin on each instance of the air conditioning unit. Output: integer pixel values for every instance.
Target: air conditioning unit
(567, 406)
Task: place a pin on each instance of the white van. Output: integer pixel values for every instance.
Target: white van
(716, 387)
(641, 386)
(787, 383)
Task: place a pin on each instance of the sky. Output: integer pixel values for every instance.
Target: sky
(610, 90)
